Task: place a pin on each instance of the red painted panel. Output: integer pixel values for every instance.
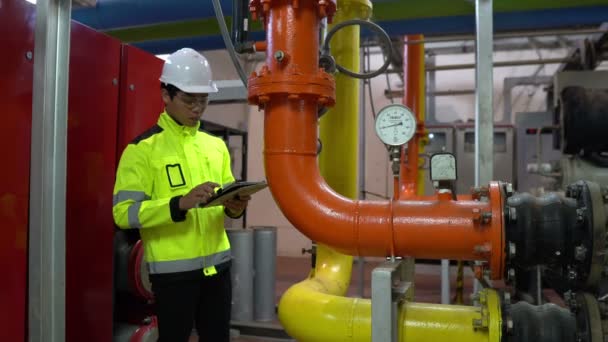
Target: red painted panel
(16, 24)
(140, 101)
(93, 104)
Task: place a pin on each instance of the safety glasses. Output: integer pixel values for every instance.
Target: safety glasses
(191, 100)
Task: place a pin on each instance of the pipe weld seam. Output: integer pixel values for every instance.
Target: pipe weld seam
(291, 152)
(356, 223)
(391, 227)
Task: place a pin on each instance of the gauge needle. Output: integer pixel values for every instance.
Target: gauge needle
(397, 124)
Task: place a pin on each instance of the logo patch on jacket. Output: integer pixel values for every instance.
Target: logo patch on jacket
(175, 175)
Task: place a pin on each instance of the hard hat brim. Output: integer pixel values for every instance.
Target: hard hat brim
(212, 88)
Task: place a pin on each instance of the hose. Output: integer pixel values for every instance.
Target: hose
(226, 37)
(374, 27)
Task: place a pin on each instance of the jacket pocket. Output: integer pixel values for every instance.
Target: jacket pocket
(171, 177)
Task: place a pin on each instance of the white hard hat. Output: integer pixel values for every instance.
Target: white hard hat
(189, 71)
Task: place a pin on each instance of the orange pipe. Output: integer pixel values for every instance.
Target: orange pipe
(259, 46)
(413, 61)
(290, 92)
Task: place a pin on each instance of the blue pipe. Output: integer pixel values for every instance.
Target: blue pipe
(115, 14)
(526, 20)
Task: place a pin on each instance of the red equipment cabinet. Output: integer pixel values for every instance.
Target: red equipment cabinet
(140, 101)
(16, 67)
(92, 127)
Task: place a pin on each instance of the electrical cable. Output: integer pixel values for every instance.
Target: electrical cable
(388, 85)
(228, 42)
(367, 66)
(374, 27)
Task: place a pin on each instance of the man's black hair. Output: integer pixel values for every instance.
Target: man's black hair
(171, 89)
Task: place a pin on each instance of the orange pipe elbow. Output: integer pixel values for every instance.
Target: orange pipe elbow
(290, 91)
(433, 228)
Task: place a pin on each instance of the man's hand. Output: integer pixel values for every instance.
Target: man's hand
(200, 194)
(237, 204)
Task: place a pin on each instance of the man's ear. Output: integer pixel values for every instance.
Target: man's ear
(165, 95)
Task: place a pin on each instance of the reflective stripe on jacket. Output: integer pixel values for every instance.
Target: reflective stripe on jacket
(155, 169)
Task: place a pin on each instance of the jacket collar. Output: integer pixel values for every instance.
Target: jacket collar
(168, 123)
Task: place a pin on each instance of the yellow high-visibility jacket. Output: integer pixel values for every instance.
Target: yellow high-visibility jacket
(155, 170)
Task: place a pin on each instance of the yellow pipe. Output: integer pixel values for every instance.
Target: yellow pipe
(321, 317)
(339, 127)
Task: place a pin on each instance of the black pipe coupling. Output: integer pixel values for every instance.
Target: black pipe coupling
(566, 235)
(538, 323)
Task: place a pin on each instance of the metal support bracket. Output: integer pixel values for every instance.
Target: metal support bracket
(389, 291)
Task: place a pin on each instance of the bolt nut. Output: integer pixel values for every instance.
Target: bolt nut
(115, 81)
(486, 217)
(476, 214)
(580, 214)
(512, 250)
(132, 87)
(511, 274)
(477, 323)
(279, 55)
(580, 252)
(29, 55)
(509, 189)
(507, 297)
(512, 214)
(509, 324)
(572, 275)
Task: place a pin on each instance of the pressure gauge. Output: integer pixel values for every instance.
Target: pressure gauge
(395, 124)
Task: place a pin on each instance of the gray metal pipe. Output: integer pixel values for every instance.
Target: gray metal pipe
(47, 208)
(241, 242)
(265, 273)
(499, 36)
(521, 62)
(484, 109)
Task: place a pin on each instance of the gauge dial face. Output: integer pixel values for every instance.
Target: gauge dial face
(395, 125)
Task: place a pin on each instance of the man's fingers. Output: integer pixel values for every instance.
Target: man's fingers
(210, 185)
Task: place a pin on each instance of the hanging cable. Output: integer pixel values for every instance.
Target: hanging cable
(388, 85)
(228, 42)
(367, 66)
(374, 27)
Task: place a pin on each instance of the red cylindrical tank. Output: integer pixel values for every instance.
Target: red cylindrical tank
(131, 273)
(147, 331)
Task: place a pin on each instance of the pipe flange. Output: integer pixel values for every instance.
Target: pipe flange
(260, 8)
(598, 217)
(589, 251)
(497, 223)
(588, 318)
(264, 85)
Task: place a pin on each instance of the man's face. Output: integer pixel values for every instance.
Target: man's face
(186, 108)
